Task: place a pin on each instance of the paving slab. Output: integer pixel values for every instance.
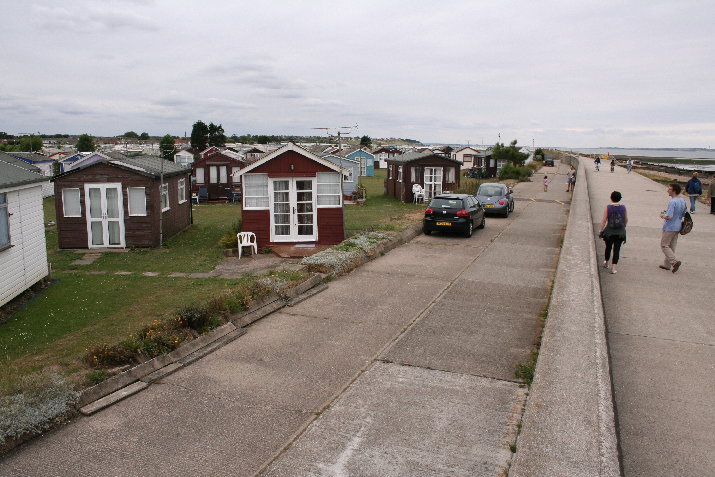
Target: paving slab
(399, 420)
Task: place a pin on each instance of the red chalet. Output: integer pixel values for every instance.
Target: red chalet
(291, 197)
(216, 172)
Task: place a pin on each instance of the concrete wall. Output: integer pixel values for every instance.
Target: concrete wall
(569, 427)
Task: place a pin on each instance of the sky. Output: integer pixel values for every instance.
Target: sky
(637, 73)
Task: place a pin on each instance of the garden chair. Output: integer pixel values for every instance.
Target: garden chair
(418, 193)
(246, 239)
(203, 195)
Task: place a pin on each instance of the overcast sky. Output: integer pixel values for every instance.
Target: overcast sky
(637, 73)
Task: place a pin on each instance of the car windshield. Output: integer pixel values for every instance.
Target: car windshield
(446, 204)
(490, 190)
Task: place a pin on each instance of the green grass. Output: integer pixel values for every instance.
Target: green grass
(380, 211)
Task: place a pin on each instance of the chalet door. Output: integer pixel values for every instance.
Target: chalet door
(105, 215)
(293, 217)
(433, 181)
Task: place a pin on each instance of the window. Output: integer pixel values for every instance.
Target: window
(389, 171)
(236, 178)
(223, 178)
(449, 174)
(4, 222)
(182, 191)
(348, 175)
(399, 173)
(70, 203)
(164, 197)
(363, 166)
(213, 174)
(137, 201)
(200, 175)
(414, 174)
(329, 189)
(500, 163)
(255, 191)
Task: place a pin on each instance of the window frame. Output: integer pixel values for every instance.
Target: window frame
(79, 201)
(247, 192)
(181, 190)
(129, 202)
(5, 211)
(200, 171)
(164, 196)
(338, 192)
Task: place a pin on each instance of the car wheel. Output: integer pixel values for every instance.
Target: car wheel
(484, 219)
(426, 232)
(506, 212)
(470, 229)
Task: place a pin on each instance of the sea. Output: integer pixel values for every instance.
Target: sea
(693, 154)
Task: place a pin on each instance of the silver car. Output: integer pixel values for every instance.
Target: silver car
(495, 198)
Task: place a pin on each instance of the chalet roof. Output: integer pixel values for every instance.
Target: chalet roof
(289, 147)
(31, 156)
(16, 172)
(337, 157)
(145, 165)
(413, 156)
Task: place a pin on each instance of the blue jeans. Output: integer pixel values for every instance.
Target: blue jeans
(693, 198)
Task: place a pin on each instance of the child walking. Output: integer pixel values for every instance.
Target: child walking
(546, 183)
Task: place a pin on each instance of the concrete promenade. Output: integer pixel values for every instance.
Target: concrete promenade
(661, 333)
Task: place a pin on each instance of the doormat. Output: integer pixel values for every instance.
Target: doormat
(305, 245)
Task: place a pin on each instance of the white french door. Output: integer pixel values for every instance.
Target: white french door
(105, 215)
(433, 182)
(293, 217)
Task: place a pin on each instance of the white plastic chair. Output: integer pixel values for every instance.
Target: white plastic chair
(418, 193)
(246, 239)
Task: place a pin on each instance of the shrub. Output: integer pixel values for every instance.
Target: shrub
(230, 240)
(511, 172)
(197, 318)
(41, 399)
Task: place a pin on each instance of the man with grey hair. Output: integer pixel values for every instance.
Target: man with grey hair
(673, 217)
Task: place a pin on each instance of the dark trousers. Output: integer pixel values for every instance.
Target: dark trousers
(712, 205)
(613, 243)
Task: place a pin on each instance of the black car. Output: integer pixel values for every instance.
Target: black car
(548, 162)
(453, 213)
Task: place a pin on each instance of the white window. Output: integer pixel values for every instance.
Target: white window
(491, 162)
(414, 174)
(223, 178)
(182, 191)
(236, 179)
(348, 175)
(500, 163)
(399, 173)
(213, 174)
(70, 203)
(4, 222)
(164, 197)
(363, 166)
(329, 189)
(255, 191)
(200, 175)
(449, 174)
(137, 201)
(389, 171)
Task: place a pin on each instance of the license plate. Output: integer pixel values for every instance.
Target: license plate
(444, 223)
(489, 205)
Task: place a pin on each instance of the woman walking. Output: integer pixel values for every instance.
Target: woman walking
(613, 230)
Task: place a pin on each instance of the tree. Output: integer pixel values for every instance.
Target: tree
(85, 143)
(131, 135)
(509, 153)
(365, 141)
(216, 135)
(144, 136)
(199, 136)
(31, 143)
(167, 147)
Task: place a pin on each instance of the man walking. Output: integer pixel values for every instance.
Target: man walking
(711, 191)
(673, 217)
(694, 188)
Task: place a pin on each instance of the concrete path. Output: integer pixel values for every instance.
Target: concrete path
(661, 333)
(403, 367)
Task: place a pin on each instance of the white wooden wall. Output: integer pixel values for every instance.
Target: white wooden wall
(25, 263)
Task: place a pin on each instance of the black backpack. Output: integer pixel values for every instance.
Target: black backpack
(687, 224)
(615, 220)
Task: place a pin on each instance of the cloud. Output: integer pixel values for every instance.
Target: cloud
(88, 18)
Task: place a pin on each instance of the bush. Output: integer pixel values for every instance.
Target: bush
(511, 172)
(198, 318)
(230, 240)
(41, 399)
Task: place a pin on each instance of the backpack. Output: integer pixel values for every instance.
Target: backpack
(615, 219)
(687, 224)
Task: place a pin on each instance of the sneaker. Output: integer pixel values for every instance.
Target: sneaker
(605, 264)
(676, 266)
(613, 272)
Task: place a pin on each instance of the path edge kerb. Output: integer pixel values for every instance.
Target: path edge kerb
(569, 423)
